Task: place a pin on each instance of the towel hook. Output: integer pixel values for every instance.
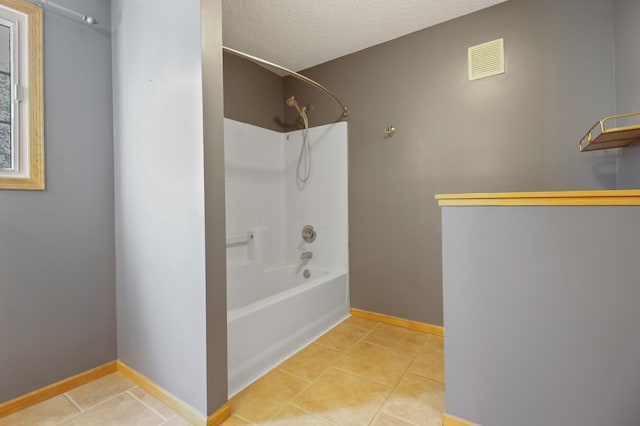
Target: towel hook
(390, 131)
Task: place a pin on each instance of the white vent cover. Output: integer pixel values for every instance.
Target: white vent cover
(486, 59)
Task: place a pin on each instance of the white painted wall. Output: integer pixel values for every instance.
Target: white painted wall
(159, 194)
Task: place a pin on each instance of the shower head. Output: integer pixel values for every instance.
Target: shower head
(292, 102)
(302, 112)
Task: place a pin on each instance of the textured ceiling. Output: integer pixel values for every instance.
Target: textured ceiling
(298, 34)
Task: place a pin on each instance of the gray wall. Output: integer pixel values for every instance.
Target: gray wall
(216, 248)
(253, 94)
(57, 268)
(514, 132)
(627, 61)
(159, 194)
(541, 315)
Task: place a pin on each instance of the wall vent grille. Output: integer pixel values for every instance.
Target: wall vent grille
(486, 59)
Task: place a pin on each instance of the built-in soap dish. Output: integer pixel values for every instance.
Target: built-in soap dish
(599, 137)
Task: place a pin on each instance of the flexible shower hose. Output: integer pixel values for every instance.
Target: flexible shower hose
(305, 153)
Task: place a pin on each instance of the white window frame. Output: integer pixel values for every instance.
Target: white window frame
(25, 23)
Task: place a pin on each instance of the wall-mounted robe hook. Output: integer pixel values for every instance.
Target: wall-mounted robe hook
(390, 131)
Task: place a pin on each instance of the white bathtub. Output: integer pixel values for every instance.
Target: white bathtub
(271, 318)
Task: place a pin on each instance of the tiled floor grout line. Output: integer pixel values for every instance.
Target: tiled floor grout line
(351, 340)
(393, 389)
(289, 401)
(342, 353)
(387, 347)
(312, 414)
(425, 376)
(347, 351)
(365, 328)
(422, 351)
(332, 365)
(395, 417)
(98, 404)
(429, 336)
(164, 422)
(243, 419)
(165, 419)
(73, 402)
(368, 379)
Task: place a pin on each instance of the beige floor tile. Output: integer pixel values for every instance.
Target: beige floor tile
(343, 398)
(355, 367)
(263, 398)
(398, 338)
(383, 419)
(155, 405)
(294, 416)
(418, 400)
(49, 412)
(360, 322)
(121, 410)
(310, 362)
(179, 421)
(235, 421)
(100, 390)
(342, 337)
(430, 360)
(436, 341)
(376, 363)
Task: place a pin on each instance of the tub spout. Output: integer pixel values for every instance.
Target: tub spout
(306, 255)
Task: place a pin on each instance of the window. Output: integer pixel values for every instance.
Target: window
(21, 106)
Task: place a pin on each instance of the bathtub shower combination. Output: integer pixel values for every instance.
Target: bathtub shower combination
(287, 244)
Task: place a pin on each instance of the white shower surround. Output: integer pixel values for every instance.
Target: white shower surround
(273, 310)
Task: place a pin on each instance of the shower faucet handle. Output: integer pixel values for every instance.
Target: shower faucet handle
(309, 234)
(306, 255)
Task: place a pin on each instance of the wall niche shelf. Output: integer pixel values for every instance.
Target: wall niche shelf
(599, 137)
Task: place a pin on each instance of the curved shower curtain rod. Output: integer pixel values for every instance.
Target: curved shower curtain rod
(301, 77)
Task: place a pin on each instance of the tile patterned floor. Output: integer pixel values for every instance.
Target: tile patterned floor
(361, 372)
(112, 400)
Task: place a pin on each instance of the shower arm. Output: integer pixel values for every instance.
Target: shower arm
(294, 74)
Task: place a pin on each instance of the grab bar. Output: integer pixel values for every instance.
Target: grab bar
(240, 241)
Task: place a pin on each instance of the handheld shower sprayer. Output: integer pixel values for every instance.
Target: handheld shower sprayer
(302, 112)
(302, 176)
(292, 102)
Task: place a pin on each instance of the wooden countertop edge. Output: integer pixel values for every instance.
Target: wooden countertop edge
(628, 197)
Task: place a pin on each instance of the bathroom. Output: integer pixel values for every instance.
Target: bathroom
(124, 256)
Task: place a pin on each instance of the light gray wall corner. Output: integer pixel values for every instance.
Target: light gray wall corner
(57, 256)
(540, 308)
(214, 193)
(159, 194)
